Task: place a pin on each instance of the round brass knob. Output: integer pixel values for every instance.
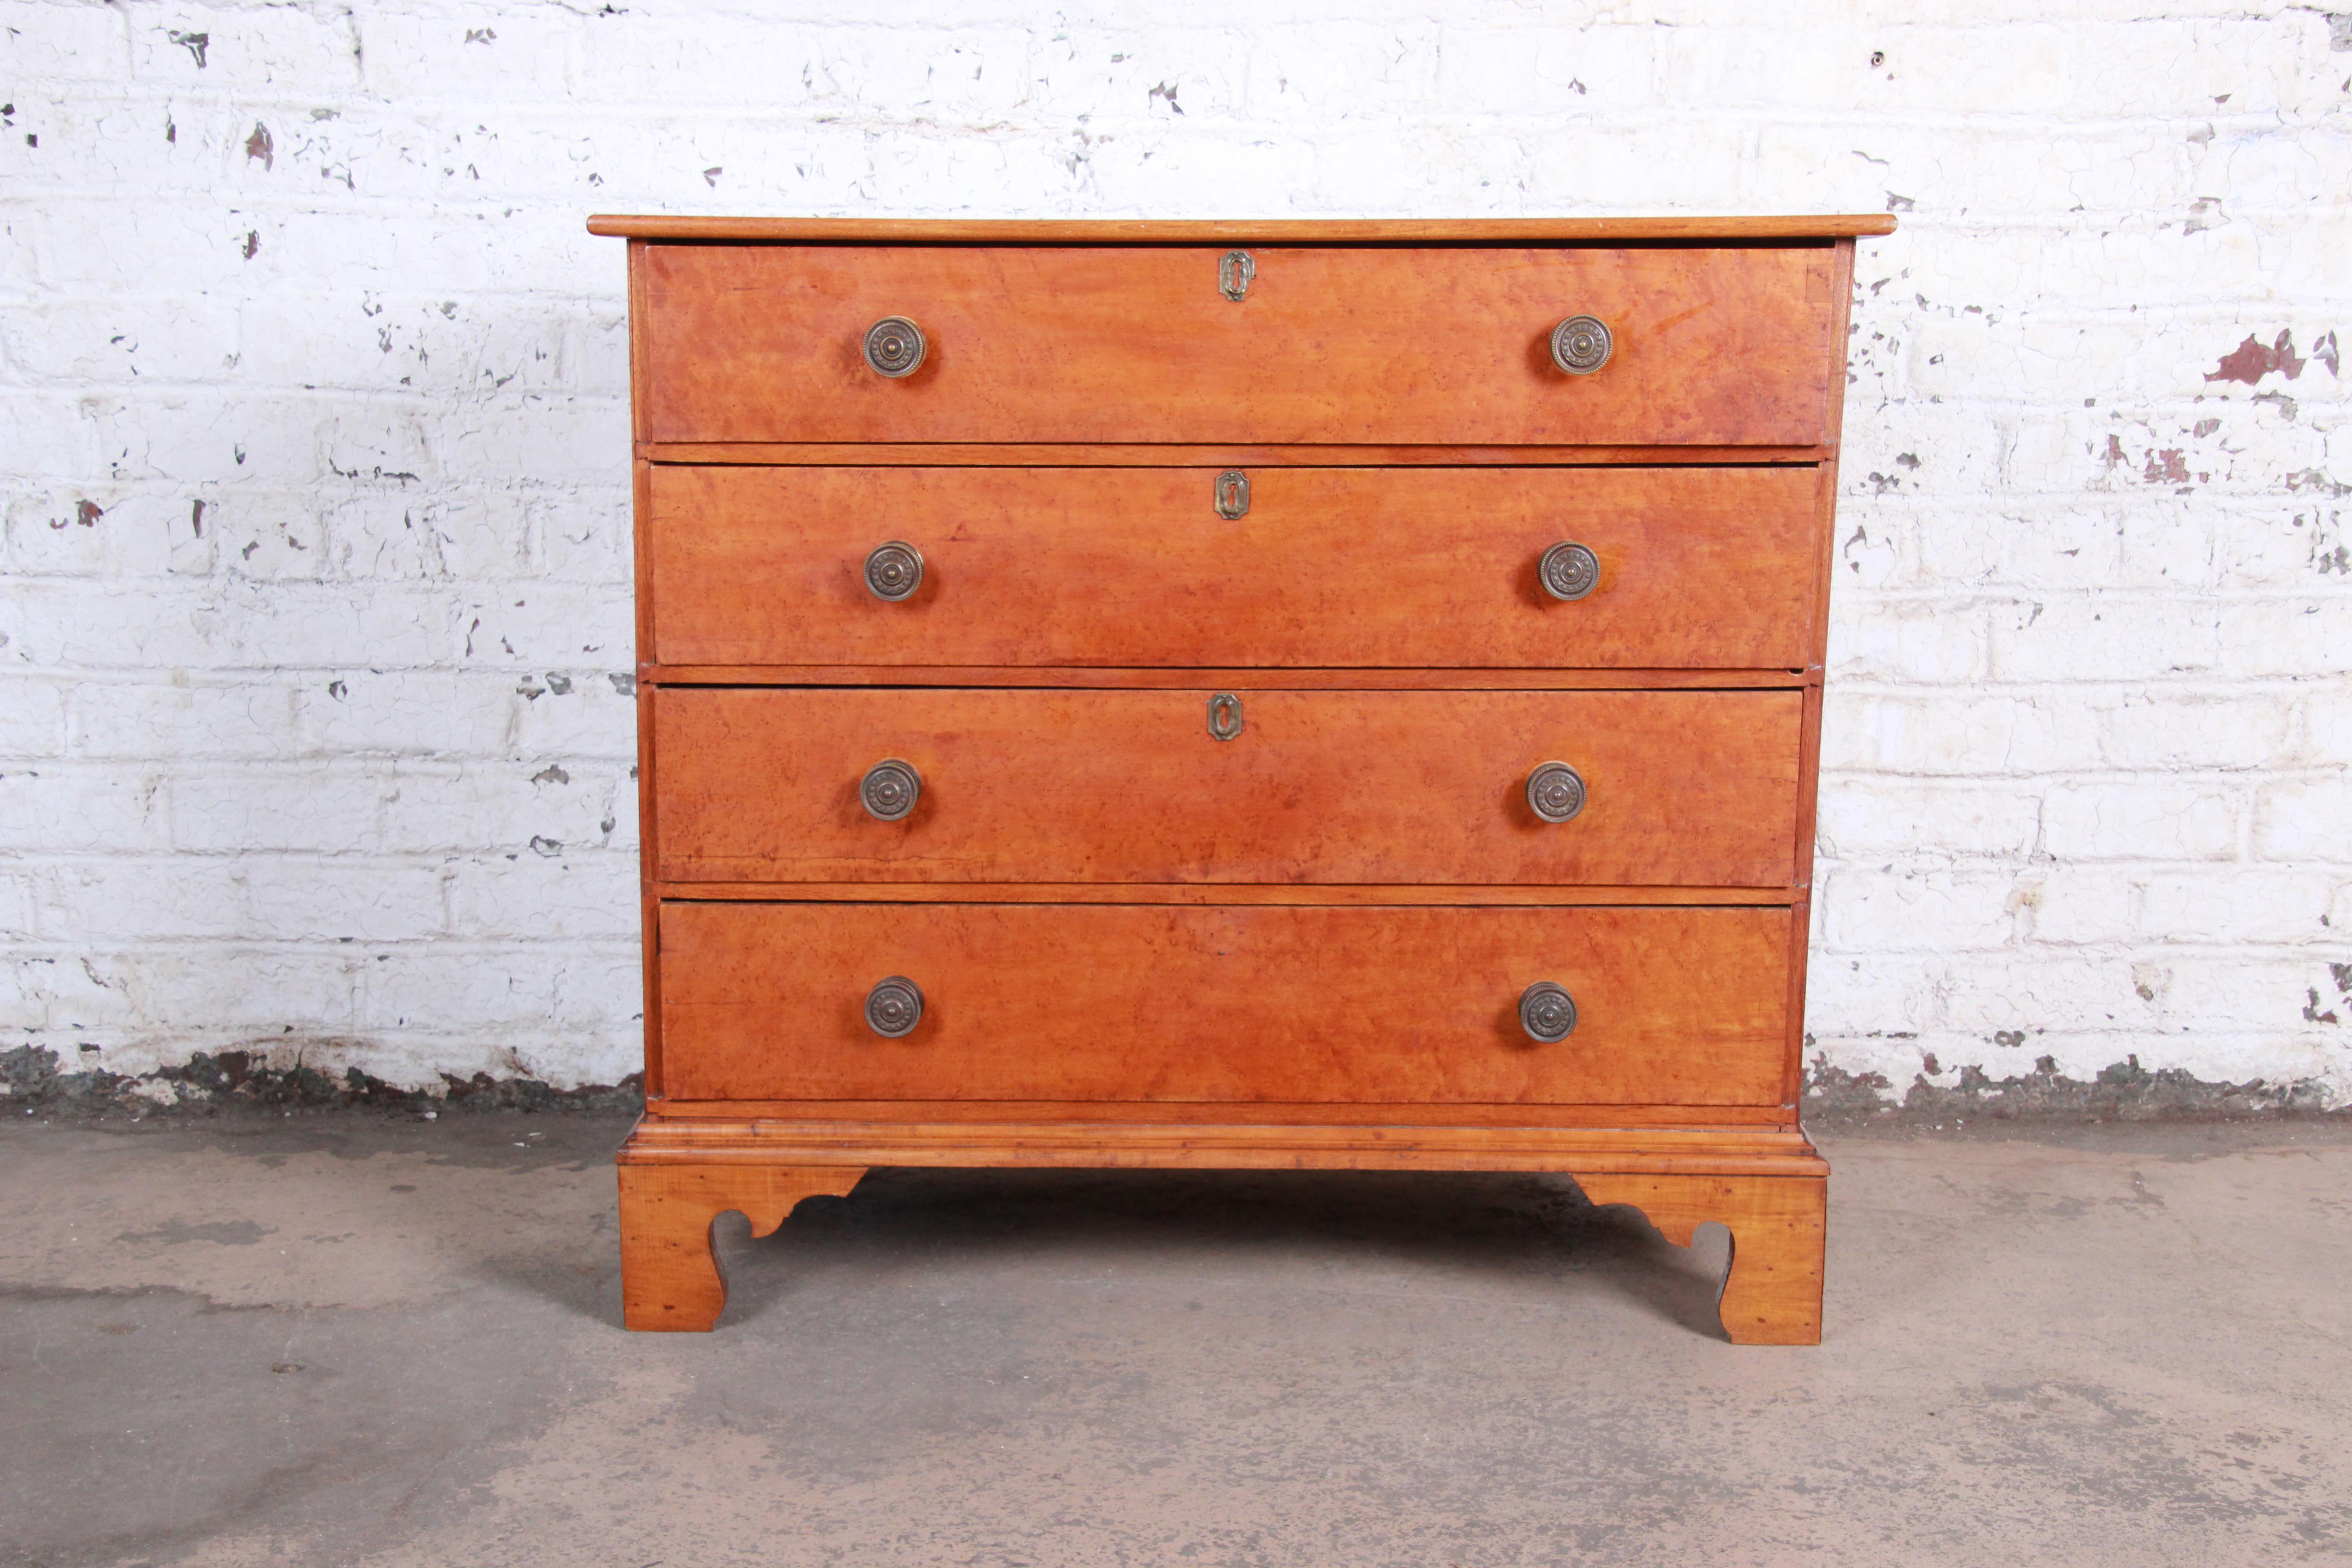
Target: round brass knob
(894, 571)
(1547, 1012)
(1579, 345)
(1568, 571)
(895, 346)
(890, 789)
(895, 1006)
(1555, 791)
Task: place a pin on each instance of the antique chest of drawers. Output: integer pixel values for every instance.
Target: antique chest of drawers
(1277, 695)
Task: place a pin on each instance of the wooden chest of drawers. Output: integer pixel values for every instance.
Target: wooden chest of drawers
(1271, 695)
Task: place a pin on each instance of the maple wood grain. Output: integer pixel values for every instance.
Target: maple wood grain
(1684, 788)
(1699, 567)
(1714, 347)
(1145, 1003)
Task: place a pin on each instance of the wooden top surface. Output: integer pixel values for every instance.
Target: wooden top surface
(1257, 231)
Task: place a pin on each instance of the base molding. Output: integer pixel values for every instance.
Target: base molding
(1769, 1187)
(1211, 1146)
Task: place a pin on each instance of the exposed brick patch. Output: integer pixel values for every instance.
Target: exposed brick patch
(2250, 360)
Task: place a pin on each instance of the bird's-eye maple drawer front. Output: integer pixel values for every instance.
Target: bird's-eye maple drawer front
(1717, 346)
(1657, 568)
(1056, 1002)
(1695, 788)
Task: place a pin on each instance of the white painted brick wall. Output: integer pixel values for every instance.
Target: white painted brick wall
(314, 733)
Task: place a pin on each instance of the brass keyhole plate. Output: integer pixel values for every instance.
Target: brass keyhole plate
(1235, 270)
(1225, 717)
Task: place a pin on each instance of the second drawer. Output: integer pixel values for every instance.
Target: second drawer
(1406, 568)
(1669, 788)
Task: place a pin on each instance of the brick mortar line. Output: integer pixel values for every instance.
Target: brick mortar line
(44, 947)
(2121, 773)
(1983, 866)
(623, 98)
(456, 858)
(2133, 597)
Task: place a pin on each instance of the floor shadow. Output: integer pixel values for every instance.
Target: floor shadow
(582, 1284)
(1468, 1225)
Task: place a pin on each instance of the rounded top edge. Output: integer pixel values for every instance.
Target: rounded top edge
(1262, 231)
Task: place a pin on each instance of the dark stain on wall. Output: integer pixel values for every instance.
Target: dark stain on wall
(2122, 1091)
(232, 1081)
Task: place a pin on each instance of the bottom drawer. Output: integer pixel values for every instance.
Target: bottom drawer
(1066, 1001)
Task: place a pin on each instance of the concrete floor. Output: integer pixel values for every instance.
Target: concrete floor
(359, 1340)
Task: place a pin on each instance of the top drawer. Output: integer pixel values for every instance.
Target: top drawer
(1452, 347)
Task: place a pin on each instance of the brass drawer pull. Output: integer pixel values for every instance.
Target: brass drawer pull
(894, 571)
(1547, 1012)
(1555, 791)
(895, 1006)
(890, 789)
(895, 347)
(1568, 570)
(1581, 344)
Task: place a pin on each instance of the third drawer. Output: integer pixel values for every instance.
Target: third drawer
(1669, 788)
(1682, 568)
